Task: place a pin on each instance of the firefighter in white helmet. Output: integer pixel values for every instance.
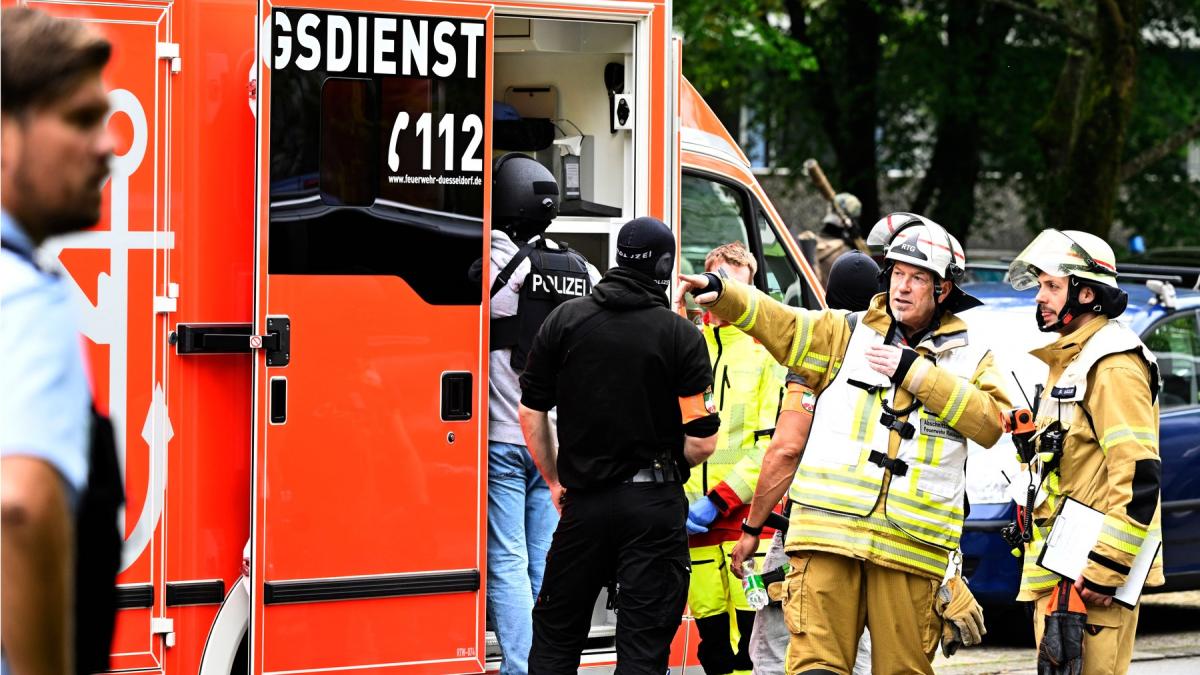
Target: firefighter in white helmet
(1097, 441)
(879, 495)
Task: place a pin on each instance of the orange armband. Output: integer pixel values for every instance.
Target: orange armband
(799, 398)
(697, 406)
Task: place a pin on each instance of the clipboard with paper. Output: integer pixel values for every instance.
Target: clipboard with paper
(1072, 537)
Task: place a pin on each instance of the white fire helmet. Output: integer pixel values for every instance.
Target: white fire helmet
(918, 241)
(1067, 253)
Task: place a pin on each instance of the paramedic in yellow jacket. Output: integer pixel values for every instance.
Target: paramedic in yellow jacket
(879, 494)
(1101, 400)
(747, 390)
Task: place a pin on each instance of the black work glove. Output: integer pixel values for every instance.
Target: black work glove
(1061, 649)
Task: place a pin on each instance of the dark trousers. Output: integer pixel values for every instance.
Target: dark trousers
(633, 533)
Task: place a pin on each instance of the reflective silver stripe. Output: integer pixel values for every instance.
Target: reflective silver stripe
(866, 403)
(920, 505)
(928, 443)
(1127, 536)
(844, 477)
(800, 344)
(746, 320)
(865, 539)
(930, 536)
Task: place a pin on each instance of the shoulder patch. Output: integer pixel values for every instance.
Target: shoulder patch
(808, 401)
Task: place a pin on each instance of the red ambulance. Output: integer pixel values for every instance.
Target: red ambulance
(279, 317)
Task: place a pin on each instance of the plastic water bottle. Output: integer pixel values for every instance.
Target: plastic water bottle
(752, 583)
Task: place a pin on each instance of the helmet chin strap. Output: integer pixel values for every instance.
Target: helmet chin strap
(1071, 310)
(522, 230)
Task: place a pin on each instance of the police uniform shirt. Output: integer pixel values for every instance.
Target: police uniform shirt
(46, 395)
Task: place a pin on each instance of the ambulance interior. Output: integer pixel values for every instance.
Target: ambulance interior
(563, 92)
(551, 100)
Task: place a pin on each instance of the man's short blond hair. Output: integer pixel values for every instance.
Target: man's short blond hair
(734, 253)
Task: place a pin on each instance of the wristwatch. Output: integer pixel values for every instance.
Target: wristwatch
(750, 529)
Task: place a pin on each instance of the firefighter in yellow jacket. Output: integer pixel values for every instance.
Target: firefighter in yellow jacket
(1096, 442)
(747, 390)
(879, 494)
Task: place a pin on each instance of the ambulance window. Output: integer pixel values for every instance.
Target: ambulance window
(783, 279)
(713, 214)
(349, 126)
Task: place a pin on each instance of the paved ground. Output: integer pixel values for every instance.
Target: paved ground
(1168, 641)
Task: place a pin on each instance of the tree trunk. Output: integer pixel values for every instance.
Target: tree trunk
(1083, 145)
(846, 42)
(974, 38)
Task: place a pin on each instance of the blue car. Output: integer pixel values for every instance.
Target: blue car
(1168, 323)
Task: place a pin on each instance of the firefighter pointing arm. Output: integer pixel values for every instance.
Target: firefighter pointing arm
(879, 494)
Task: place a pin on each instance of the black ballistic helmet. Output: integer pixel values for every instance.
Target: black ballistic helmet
(853, 281)
(524, 196)
(647, 245)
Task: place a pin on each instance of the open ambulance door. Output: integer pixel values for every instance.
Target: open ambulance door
(371, 329)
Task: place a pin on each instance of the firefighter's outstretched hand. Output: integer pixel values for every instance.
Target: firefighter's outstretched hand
(699, 286)
(962, 617)
(742, 551)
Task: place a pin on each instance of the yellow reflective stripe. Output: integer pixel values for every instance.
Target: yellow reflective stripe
(747, 318)
(950, 400)
(818, 363)
(835, 490)
(928, 445)
(1122, 536)
(953, 510)
(844, 476)
(803, 339)
(1123, 432)
(1034, 577)
(958, 402)
(862, 418)
(923, 530)
(872, 535)
(836, 505)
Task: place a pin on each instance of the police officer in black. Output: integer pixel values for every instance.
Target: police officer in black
(633, 386)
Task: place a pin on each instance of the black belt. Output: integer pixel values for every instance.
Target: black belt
(656, 474)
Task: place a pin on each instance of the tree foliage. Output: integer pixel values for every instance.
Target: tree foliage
(1084, 108)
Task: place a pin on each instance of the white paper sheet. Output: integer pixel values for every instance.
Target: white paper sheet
(1073, 536)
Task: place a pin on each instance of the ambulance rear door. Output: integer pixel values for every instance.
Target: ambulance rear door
(370, 336)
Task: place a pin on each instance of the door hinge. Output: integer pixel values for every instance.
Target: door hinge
(161, 625)
(165, 304)
(170, 52)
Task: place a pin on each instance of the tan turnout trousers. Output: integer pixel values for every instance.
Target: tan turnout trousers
(1108, 640)
(828, 598)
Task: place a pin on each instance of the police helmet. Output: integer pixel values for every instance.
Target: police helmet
(524, 196)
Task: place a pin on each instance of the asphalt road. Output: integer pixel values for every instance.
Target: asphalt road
(1168, 641)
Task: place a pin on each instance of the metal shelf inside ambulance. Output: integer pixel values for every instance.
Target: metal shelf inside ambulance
(555, 68)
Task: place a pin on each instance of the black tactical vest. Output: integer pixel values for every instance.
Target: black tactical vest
(555, 276)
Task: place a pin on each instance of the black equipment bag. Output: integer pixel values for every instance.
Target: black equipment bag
(97, 551)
